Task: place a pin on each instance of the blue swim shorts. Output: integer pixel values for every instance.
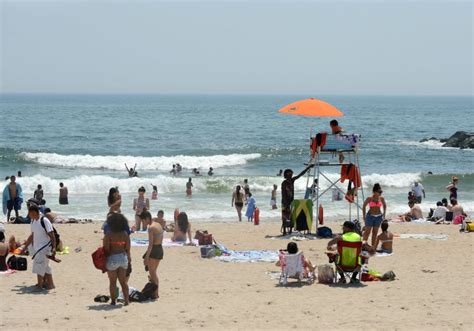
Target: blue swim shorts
(373, 221)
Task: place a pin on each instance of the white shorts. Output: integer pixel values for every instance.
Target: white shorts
(41, 263)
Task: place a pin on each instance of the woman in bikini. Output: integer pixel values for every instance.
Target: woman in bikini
(114, 200)
(154, 253)
(238, 201)
(373, 218)
(116, 244)
(385, 239)
(140, 205)
(182, 229)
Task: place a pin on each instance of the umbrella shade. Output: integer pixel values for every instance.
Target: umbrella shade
(311, 107)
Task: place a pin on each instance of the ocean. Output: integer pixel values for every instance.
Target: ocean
(84, 141)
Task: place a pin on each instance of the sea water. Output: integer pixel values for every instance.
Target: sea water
(84, 141)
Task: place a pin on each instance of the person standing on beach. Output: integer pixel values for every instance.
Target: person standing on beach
(419, 191)
(116, 244)
(44, 245)
(63, 199)
(287, 197)
(376, 214)
(238, 201)
(12, 198)
(273, 199)
(189, 188)
(140, 205)
(453, 188)
(154, 252)
(251, 204)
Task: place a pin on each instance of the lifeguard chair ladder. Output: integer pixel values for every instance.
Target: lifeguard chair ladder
(336, 144)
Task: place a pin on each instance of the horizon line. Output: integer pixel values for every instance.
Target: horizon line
(227, 94)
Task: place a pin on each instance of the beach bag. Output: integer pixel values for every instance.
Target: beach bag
(17, 263)
(99, 259)
(203, 238)
(324, 232)
(469, 227)
(208, 251)
(56, 234)
(148, 291)
(137, 296)
(325, 274)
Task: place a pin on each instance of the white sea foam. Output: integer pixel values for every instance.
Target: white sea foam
(162, 163)
(100, 184)
(429, 144)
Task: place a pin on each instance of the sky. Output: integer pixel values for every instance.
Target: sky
(226, 47)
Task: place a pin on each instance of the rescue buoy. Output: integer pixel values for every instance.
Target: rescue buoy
(321, 214)
(256, 216)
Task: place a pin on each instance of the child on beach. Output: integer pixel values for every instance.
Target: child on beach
(385, 239)
(250, 207)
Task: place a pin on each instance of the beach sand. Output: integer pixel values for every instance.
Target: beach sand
(433, 289)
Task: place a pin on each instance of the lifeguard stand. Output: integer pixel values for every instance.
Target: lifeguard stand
(326, 151)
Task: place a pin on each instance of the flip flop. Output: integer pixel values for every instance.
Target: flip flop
(101, 298)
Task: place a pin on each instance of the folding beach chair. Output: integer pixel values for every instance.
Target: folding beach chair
(349, 259)
(292, 266)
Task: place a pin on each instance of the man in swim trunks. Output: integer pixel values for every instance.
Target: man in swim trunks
(287, 197)
(14, 193)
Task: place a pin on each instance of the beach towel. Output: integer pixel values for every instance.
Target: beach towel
(250, 207)
(143, 242)
(248, 256)
(380, 254)
(294, 237)
(7, 272)
(302, 214)
(429, 236)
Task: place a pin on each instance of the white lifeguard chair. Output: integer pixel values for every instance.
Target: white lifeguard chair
(326, 151)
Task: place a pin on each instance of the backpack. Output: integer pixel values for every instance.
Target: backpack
(148, 291)
(324, 232)
(203, 238)
(100, 259)
(137, 296)
(17, 263)
(56, 234)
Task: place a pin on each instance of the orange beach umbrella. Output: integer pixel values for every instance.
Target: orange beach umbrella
(311, 107)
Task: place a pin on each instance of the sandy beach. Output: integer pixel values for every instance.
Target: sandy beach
(432, 289)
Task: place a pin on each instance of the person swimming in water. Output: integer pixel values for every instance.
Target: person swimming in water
(132, 172)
